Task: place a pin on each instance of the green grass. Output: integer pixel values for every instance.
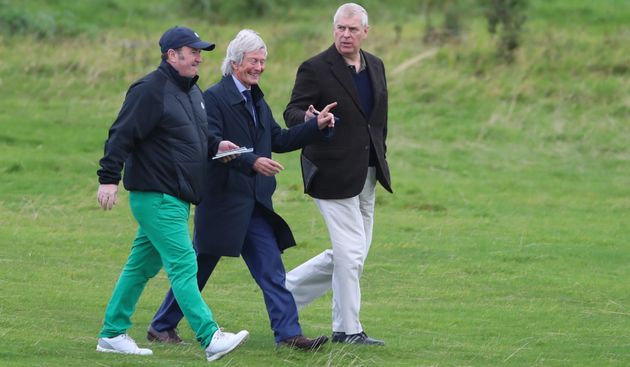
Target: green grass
(505, 243)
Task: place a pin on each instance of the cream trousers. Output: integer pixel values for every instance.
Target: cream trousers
(349, 222)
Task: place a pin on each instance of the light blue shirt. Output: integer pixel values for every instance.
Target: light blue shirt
(239, 85)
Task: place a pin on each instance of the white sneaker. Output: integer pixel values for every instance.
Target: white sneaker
(223, 343)
(121, 344)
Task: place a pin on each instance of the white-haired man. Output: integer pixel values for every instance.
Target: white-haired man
(236, 216)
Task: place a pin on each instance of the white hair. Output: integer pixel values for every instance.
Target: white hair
(350, 10)
(245, 41)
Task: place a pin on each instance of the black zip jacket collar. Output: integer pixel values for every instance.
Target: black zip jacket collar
(183, 82)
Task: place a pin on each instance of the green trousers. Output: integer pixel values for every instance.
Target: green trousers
(162, 240)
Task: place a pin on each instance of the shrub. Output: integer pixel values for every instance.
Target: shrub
(506, 17)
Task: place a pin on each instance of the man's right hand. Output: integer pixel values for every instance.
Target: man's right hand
(226, 145)
(107, 196)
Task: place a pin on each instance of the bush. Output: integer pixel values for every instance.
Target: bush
(506, 17)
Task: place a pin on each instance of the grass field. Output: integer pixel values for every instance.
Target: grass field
(506, 243)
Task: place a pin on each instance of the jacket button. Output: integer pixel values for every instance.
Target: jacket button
(367, 147)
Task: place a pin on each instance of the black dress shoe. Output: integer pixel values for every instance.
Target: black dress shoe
(166, 336)
(360, 338)
(338, 337)
(303, 343)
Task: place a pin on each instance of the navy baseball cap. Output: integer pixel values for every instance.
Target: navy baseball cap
(177, 37)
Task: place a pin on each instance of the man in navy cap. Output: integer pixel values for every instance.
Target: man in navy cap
(160, 138)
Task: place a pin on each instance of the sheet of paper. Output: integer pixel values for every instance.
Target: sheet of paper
(240, 150)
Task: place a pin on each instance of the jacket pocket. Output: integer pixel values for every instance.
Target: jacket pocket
(309, 170)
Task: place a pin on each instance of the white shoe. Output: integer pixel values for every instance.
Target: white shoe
(223, 343)
(121, 344)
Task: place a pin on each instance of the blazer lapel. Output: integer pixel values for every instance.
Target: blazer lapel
(376, 73)
(244, 120)
(340, 70)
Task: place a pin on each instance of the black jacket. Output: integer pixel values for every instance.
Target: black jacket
(233, 189)
(160, 136)
(337, 169)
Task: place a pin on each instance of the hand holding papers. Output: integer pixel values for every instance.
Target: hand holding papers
(236, 151)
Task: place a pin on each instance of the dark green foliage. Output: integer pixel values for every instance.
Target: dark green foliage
(506, 18)
(450, 29)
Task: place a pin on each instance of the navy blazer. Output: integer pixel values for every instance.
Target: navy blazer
(232, 189)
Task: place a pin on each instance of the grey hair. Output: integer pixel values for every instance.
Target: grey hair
(245, 41)
(350, 10)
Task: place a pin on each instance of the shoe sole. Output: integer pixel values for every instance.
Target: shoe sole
(314, 348)
(155, 339)
(319, 345)
(357, 343)
(106, 350)
(214, 357)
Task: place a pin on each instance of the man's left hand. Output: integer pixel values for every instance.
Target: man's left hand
(267, 167)
(325, 118)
